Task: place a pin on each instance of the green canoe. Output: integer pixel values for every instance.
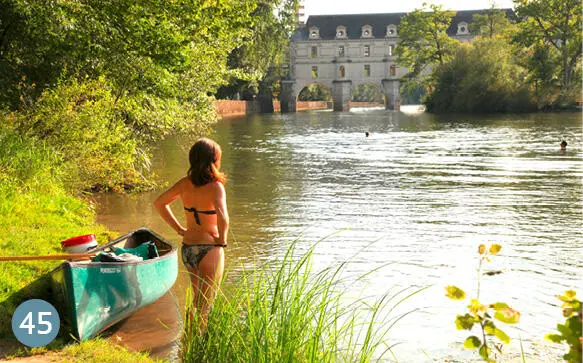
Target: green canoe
(92, 296)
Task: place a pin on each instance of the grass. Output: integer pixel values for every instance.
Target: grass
(36, 213)
(283, 312)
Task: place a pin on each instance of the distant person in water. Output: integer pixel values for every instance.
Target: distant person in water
(203, 196)
(564, 145)
(367, 134)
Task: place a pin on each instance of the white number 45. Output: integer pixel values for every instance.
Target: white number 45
(27, 323)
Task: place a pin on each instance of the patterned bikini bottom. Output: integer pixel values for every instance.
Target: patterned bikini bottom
(193, 254)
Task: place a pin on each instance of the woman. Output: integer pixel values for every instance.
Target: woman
(203, 196)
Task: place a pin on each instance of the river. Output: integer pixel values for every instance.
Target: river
(414, 199)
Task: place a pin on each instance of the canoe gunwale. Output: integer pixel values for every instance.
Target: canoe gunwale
(161, 240)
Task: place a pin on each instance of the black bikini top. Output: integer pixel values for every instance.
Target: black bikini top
(197, 212)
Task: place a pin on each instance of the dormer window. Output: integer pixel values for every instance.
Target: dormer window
(341, 31)
(462, 28)
(314, 33)
(392, 30)
(366, 31)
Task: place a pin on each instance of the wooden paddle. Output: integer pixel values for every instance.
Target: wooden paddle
(69, 256)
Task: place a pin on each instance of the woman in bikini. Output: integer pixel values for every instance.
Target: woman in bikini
(203, 196)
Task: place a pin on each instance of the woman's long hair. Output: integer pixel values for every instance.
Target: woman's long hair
(205, 162)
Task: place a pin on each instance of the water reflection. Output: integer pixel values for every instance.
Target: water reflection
(421, 192)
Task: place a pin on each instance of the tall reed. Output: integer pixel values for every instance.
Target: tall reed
(283, 312)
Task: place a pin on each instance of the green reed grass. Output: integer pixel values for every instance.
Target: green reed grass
(283, 312)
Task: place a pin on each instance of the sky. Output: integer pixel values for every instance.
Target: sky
(324, 7)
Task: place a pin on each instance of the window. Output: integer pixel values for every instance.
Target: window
(314, 52)
(341, 51)
(342, 71)
(393, 70)
(391, 48)
(314, 72)
(314, 33)
(391, 30)
(367, 50)
(367, 70)
(341, 31)
(462, 28)
(366, 31)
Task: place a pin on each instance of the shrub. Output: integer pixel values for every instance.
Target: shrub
(483, 77)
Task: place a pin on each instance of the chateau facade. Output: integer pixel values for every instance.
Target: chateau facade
(342, 52)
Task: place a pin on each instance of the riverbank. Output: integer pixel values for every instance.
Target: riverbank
(237, 107)
(37, 213)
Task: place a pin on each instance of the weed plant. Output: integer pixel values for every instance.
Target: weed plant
(283, 312)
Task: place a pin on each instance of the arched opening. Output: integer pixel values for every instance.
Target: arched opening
(315, 92)
(367, 95)
(412, 93)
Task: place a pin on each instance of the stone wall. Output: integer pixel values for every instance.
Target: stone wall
(366, 104)
(234, 107)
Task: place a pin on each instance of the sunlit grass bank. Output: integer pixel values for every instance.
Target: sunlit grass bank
(284, 312)
(36, 213)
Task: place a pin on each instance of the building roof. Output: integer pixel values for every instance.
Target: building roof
(354, 22)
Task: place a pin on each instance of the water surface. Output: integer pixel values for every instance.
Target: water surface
(416, 198)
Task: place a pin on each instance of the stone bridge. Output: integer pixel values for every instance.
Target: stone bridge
(341, 52)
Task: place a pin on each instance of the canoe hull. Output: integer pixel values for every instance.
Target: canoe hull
(93, 296)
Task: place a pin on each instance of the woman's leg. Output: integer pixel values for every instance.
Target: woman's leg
(210, 273)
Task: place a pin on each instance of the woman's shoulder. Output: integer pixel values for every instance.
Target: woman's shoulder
(216, 186)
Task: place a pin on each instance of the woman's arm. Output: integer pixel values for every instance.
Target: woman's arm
(162, 204)
(220, 202)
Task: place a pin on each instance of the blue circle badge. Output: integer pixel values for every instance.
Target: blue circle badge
(35, 323)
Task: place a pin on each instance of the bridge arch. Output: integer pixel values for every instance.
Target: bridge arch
(372, 92)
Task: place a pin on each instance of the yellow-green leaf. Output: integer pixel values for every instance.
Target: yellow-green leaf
(482, 249)
(495, 248)
(555, 338)
(455, 293)
(476, 307)
(498, 305)
(464, 322)
(507, 315)
(472, 342)
(502, 336)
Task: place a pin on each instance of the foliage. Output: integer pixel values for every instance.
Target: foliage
(114, 77)
(570, 331)
(367, 93)
(262, 53)
(37, 213)
(282, 312)
(424, 42)
(555, 24)
(484, 316)
(175, 49)
(315, 92)
(493, 22)
(97, 139)
(482, 77)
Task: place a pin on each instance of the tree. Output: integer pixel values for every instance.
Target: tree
(483, 77)
(557, 24)
(314, 92)
(493, 21)
(261, 55)
(424, 41)
(172, 49)
(367, 93)
(71, 69)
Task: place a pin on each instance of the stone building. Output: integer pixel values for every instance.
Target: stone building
(341, 52)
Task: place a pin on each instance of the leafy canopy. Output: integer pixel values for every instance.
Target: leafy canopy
(424, 42)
